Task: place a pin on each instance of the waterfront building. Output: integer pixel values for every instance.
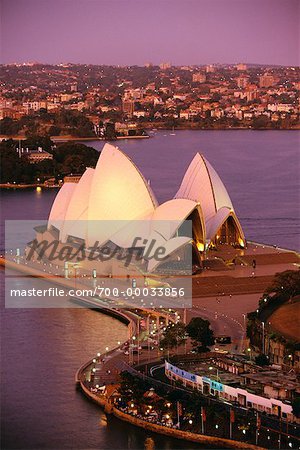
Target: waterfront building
(72, 179)
(36, 156)
(116, 191)
(128, 107)
(264, 391)
(34, 106)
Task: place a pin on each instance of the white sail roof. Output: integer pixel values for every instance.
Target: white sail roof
(60, 204)
(220, 192)
(202, 184)
(77, 211)
(168, 216)
(114, 202)
(158, 227)
(215, 222)
(118, 192)
(170, 246)
(129, 230)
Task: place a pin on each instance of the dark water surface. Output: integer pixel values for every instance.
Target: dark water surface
(41, 349)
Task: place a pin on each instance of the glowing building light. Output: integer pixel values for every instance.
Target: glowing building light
(200, 246)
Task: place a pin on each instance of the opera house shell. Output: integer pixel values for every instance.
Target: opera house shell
(116, 193)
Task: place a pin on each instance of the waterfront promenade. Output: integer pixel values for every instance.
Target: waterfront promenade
(99, 380)
(225, 311)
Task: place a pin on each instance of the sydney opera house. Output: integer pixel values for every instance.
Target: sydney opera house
(113, 204)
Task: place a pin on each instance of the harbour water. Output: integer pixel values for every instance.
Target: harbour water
(41, 349)
(260, 169)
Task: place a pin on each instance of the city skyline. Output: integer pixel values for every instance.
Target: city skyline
(133, 33)
(200, 66)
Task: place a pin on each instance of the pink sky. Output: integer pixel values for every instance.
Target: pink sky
(128, 32)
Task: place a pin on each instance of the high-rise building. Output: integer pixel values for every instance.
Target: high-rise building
(251, 94)
(165, 65)
(73, 87)
(199, 77)
(128, 107)
(266, 80)
(242, 81)
(133, 94)
(241, 67)
(210, 68)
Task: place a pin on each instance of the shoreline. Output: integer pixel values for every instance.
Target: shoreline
(26, 186)
(153, 127)
(67, 138)
(106, 403)
(109, 408)
(216, 442)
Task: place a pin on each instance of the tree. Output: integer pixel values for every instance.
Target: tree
(74, 122)
(35, 141)
(173, 336)
(13, 168)
(262, 360)
(45, 168)
(132, 387)
(68, 158)
(286, 284)
(72, 157)
(261, 121)
(200, 332)
(74, 164)
(9, 126)
(54, 130)
(110, 132)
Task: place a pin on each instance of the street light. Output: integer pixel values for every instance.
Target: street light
(249, 351)
(263, 337)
